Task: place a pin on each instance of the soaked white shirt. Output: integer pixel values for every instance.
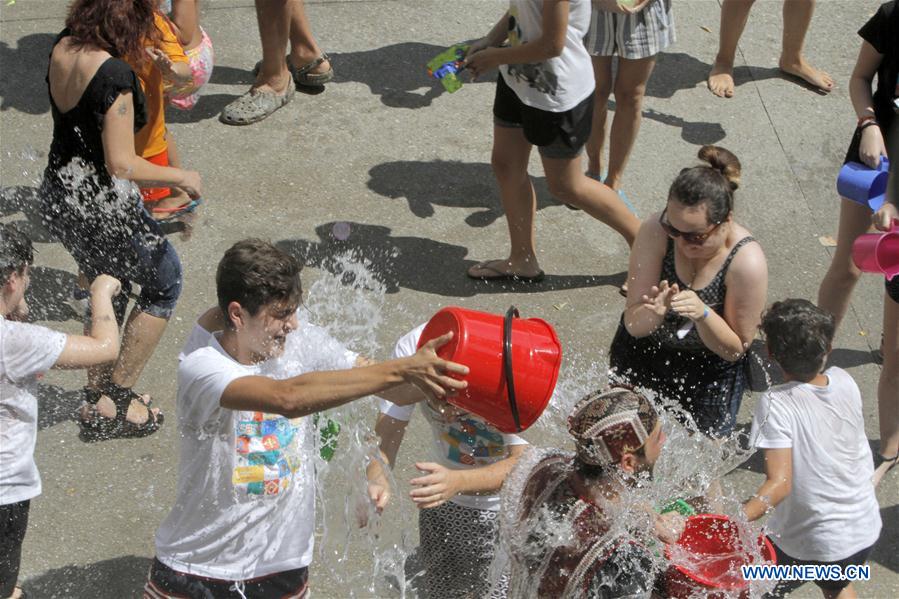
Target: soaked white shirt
(462, 442)
(831, 512)
(27, 351)
(245, 505)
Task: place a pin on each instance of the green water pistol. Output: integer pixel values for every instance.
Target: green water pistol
(327, 436)
(447, 65)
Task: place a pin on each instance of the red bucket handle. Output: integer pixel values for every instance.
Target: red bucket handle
(511, 313)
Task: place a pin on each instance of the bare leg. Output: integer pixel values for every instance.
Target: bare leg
(797, 16)
(630, 87)
(142, 334)
(273, 18)
(303, 47)
(734, 14)
(841, 277)
(602, 74)
(888, 386)
(510, 166)
(570, 185)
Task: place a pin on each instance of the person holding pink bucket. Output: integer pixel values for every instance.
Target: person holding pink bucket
(862, 180)
(817, 460)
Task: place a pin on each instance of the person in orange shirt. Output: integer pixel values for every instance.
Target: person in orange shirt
(169, 64)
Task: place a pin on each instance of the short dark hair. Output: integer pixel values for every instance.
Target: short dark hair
(713, 183)
(799, 335)
(16, 252)
(255, 273)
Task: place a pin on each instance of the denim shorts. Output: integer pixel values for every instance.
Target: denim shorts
(124, 242)
(560, 135)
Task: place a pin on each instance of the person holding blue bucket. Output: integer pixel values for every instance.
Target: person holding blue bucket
(875, 132)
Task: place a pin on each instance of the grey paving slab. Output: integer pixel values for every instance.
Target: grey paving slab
(408, 167)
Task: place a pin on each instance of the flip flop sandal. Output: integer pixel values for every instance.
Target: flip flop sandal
(101, 428)
(255, 106)
(879, 460)
(177, 212)
(301, 75)
(504, 276)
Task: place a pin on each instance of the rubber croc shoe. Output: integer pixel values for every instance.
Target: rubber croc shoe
(255, 106)
(302, 76)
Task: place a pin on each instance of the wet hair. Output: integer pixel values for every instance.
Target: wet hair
(16, 252)
(121, 27)
(799, 336)
(254, 273)
(713, 183)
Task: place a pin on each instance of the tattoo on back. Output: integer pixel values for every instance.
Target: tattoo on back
(123, 109)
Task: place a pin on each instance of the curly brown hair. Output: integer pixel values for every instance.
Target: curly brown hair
(121, 27)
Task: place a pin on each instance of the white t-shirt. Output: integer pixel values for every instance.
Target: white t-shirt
(462, 443)
(831, 512)
(560, 83)
(245, 505)
(27, 351)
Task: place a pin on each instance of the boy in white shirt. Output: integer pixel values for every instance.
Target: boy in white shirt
(818, 462)
(458, 494)
(27, 351)
(244, 515)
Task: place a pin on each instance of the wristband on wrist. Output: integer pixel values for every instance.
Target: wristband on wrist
(705, 313)
(866, 121)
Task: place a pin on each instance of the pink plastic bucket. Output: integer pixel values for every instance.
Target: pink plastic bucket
(878, 252)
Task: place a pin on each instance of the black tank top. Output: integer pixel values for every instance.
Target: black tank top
(77, 132)
(712, 295)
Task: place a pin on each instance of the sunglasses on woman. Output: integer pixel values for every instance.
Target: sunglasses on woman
(691, 238)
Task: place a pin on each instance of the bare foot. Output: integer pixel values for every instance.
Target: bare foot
(721, 80)
(814, 77)
(277, 85)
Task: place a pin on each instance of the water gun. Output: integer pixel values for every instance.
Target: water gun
(680, 506)
(327, 436)
(446, 66)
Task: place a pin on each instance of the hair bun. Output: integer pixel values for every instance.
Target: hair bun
(724, 162)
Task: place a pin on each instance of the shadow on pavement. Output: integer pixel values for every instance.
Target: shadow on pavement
(118, 577)
(415, 262)
(850, 358)
(395, 73)
(447, 183)
(56, 405)
(22, 86)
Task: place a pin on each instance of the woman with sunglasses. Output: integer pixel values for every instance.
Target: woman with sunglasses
(697, 285)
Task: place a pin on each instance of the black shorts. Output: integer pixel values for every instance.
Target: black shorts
(165, 582)
(852, 152)
(13, 523)
(556, 134)
(856, 559)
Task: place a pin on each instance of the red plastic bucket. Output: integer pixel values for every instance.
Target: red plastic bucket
(878, 252)
(513, 363)
(715, 543)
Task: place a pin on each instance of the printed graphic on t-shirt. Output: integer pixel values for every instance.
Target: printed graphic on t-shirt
(539, 75)
(266, 453)
(471, 442)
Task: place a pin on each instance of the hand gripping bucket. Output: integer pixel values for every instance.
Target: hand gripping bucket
(878, 252)
(862, 184)
(513, 363)
(716, 552)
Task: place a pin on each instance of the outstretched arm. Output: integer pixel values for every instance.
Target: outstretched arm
(102, 345)
(777, 486)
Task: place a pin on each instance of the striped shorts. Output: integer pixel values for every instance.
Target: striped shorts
(634, 36)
